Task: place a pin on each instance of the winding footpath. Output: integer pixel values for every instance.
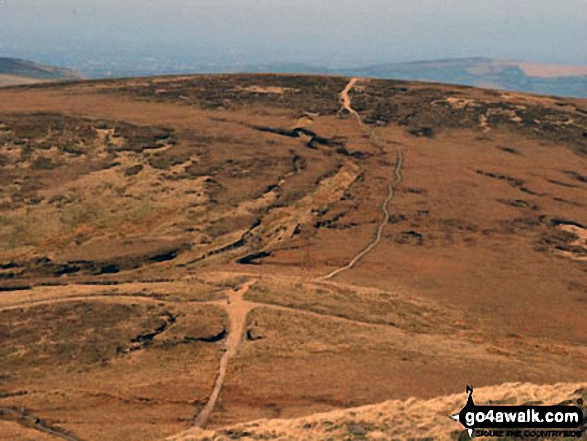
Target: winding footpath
(346, 102)
(237, 309)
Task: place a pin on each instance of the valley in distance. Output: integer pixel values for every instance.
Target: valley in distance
(289, 257)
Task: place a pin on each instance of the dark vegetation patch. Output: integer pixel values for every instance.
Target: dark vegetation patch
(457, 224)
(298, 162)
(416, 106)
(548, 236)
(144, 340)
(413, 190)
(230, 168)
(562, 184)
(165, 257)
(170, 158)
(576, 176)
(410, 238)
(215, 338)
(46, 267)
(557, 221)
(211, 339)
(557, 239)
(233, 246)
(236, 433)
(426, 132)
(334, 223)
(43, 163)
(329, 173)
(359, 430)
(519, 203)
(252, 259)
(566, 201)
(253, 334)
(509, 149)
(15, 288)
(396, 218)
(224, 249)
(42, 131)
(4, 160)
(543, 226)
(134, 170)
(213, 189)
(314, 141)
(75, 136)
(527, 222)
(419, 228)
(513, 182)
(351, 193)
(77, 333)
(197, 170)
(19, 393)
(139, 138)
(38, 150)
(300, 93)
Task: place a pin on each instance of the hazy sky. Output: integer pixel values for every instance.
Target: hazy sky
(327, 31)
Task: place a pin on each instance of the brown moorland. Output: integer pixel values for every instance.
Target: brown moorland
(210, 250)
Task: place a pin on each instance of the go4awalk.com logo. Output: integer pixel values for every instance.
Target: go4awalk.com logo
(521, 421)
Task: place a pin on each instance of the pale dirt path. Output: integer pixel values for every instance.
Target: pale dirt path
(384, 208)
(346, 102)
(346, 99)
(236, 301)
(247, 306)
(237, 310)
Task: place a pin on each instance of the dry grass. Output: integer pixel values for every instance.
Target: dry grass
(410, 419)
(83, 364)
(392, 308)
(125, 203)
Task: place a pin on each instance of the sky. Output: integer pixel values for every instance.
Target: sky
(326, 32)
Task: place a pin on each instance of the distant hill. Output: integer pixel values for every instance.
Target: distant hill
(14, 71)
(490, 73)
(478, 72)
(487, 72)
